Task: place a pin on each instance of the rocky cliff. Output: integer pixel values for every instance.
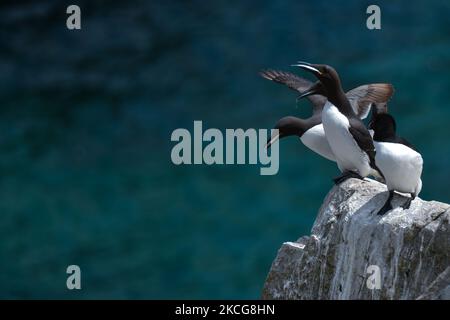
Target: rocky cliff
(353, 253)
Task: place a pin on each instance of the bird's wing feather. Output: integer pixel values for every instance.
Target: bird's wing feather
(362, 97)
(364, 140)
(296, 83)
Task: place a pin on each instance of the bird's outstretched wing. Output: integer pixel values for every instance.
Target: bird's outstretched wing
(296, 83)
(361, 98)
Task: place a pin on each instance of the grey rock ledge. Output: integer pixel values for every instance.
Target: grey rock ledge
(410, 247)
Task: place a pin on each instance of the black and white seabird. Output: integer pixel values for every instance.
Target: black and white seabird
(347, 135)
(399, 161)
(311, 130)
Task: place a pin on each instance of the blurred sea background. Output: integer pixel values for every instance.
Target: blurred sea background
(86, 118)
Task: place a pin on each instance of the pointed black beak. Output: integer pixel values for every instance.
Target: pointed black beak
(274, 138)
(285, 127)
(308, 67)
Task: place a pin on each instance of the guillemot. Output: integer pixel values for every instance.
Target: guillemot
(310, 130)
(347, 135)
(398, 159)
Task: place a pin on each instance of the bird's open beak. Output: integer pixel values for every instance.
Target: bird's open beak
(272, 140)
(316, 88)
(308, 67)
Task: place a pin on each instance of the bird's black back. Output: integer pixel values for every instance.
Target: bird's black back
(384, 128)
(398, 139)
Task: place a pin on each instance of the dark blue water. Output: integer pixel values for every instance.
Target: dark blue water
(86, 118)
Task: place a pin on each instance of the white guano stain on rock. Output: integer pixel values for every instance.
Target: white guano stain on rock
(411, 248)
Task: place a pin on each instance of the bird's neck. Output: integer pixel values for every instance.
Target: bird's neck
(384, 135)
(339, 99)
(302, 126)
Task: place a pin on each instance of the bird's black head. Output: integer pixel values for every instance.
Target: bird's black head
(383, 126)
(287, 126)
(329, 83)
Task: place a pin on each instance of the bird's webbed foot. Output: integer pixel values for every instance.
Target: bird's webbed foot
(347, 175)
(387, 205)
(408, 201)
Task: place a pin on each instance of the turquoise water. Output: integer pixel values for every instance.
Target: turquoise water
(86, 119)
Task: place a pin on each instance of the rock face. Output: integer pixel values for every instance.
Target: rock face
(353, 253)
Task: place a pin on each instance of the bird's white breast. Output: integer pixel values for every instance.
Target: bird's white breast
(401, 166)
(314, 138)
(349, 155)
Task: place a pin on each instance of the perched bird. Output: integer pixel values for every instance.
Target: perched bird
(311, 130)
(399, 161)
(347, 135)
